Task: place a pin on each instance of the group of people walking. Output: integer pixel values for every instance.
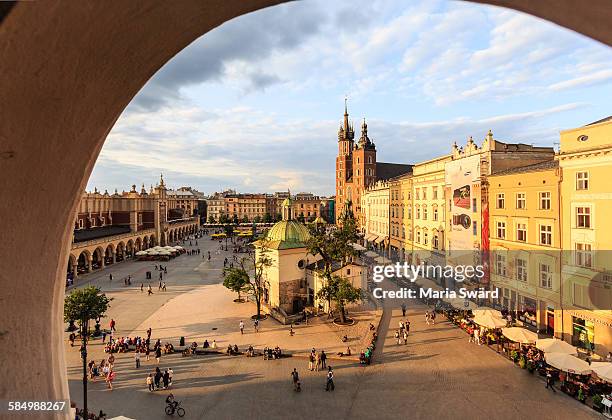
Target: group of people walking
(317, 360)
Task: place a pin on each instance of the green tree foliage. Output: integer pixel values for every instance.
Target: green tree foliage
(257, 219)
(245, 219)
(84, 304)
(253, 268)
(335, 246)
(268, 218)
(340, 291)
(235, 219)
(223, 218)
(211, 219)
(237, 280)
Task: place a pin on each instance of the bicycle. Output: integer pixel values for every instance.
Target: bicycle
(173, 407)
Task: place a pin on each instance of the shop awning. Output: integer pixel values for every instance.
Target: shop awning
(520, 335)
(371, 254)
(370, 237)
(554, 345)
(568, 363)
(379, 239)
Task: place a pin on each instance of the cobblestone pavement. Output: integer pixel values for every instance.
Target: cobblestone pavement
(437, 375)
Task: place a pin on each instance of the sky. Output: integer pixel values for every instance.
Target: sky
(256, 103)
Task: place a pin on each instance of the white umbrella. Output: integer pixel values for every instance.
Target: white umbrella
(520, 335)
(357, 247)
(371, 254)
(153, 252)
(568, 363)
(490, 321)
(483, 310)
(178, 247)
(121, 418)
(554, 345)
(140, 253)
(603, 370)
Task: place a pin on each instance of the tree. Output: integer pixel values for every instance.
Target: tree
(340, 290)
(335, 246)
(223, 219)
(301, 217)
(235, 219)
(253, 267)
(257, 219)
(211, 219)
(84, 304)
(245, 219)
(278, 217)
(237, 280)
(268, 218)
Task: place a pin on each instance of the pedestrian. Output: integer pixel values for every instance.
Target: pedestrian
(150, 382)
(329, 386)
(166, 379)
(157, 377)
(110, 378)
(170, 375)
(71, 338)
(405, 337)
(471, 339)
(163, 286)
(147, 351)
(323, 359)
(112, 325)
(407, 324)
(433, 317)
(427, 317)
(142, 287)
(160, 285)
(149, 334)
(256, 325)
(403, 309)
(161, 275)
(137, 358)
(550, 382)
(477, 335)
(241, 327)
(158, 354)
(397, 336)
(311, 360)
(149, 290)
(318, 362)
(110, 277)
(166, 270)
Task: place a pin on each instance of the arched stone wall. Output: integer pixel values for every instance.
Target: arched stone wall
(68, 71)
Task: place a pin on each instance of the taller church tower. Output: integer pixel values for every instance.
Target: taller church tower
(344, 164)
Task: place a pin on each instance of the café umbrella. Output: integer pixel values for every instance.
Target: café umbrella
(568, 363)
(520, 335)
(483, 310)
(603, 370)
(554, 345)
(490, 321)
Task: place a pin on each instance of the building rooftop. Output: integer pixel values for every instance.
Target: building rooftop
(82, 235)
(600, 121)
(386, 171)
(542, 166)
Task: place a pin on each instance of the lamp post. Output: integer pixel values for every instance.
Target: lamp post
(84, 328)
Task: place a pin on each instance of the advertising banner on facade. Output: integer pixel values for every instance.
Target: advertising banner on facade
(460, 175)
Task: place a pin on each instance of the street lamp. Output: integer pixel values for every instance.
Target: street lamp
(84, 328)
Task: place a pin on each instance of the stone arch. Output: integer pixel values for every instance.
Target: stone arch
(145, 242)
(138, 244)
(84, 262)
(152, 240)
(113, 76)
(72, 269)
(97, 258)
(120, 251)
(109, 254)
(129, 248)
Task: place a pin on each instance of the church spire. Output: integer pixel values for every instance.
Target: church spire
(346, 131)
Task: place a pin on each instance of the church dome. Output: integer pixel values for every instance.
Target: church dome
(289, 234)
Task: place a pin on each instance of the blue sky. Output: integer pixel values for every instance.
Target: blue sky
(255, 104)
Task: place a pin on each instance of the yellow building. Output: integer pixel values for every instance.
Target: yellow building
(375, 208)
(428, 211)
(585, 159)
(525, 242)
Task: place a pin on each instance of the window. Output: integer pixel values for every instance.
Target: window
(424, 212)
(582, 180)
(417, 194)
(435, 241)
(521, 232)
(521, 269)
(474, 205)
(501, 230)
(409, 212)
(583, 255)
(102, 221)
(500, 264)
(435, 193)
(80, 223)
(369, 159)
(474, 228)
(435, 213)
(545, 200)
(583, 217)
(545, 276)
(93, 222)
(521, 202)
(546, 235)
(424, 193)
(425, 236)
(501, 200)
(418, 237)
(418, 212)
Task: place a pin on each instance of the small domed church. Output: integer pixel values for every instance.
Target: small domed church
(293, 277)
